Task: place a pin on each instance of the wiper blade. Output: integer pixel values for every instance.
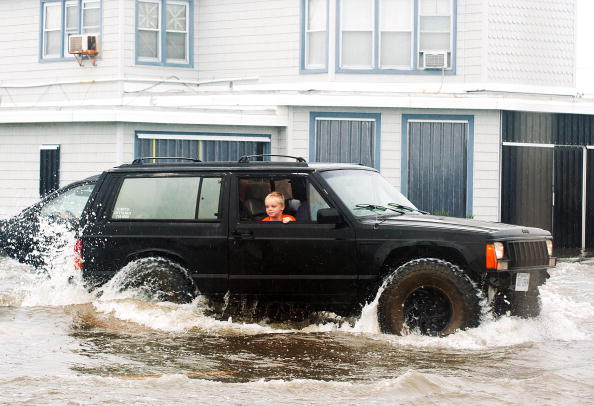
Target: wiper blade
(407, 208)
(377, 207)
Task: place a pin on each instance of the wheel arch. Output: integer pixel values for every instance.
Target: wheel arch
(401, 255)
(148, 253)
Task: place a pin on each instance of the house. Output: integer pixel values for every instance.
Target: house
(462, 104)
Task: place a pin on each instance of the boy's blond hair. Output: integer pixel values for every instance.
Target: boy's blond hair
(276, 195)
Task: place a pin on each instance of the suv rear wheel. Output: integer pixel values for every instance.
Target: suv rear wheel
(430, 296)
(158, 278)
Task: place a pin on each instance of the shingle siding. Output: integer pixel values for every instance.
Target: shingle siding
(531, 42)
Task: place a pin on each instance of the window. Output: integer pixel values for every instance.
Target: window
(302, 200)
(357, 26)
(168, 198)
(63, 18)
(164, 32)
(345, 137)
(316, 202)
(365, 193)
(203, 146)
(70, 204)
(378, 36)
(315, 28)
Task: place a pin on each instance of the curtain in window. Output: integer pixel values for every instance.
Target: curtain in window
(357, 21)
(52, 30)
(91, 17)
(435, 18)
(149, 29)
(177, 31)
(316, 36)
(396, 22)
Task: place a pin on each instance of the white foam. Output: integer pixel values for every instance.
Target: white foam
(567, 304)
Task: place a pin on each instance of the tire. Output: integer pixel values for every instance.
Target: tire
(429, 296)
(159, 278)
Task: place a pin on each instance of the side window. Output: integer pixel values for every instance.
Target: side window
(208, 208)
(253, 191)
(69, 204)
(168, 198)
(60, 19)
(302, 200)
(316, 202)
(163, 32)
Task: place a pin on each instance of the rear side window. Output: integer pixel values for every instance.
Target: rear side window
(69, 204)
(168, 198)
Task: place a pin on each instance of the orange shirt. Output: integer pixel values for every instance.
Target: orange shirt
(284, 216)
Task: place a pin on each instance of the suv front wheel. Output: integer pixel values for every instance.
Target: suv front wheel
(428, 296)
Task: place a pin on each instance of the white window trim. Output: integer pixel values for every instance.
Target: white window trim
(308, 31)
(186, 60)
(45, 30)
(411, 31)
(89, 28)
(159, 30)
(371, 30)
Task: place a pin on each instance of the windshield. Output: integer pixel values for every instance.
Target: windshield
(367, 193)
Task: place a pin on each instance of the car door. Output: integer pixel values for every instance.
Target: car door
(300, 258)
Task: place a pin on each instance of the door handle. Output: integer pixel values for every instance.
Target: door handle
(243, 235)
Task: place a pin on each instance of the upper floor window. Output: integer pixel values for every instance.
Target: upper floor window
(315, 39)
(379, 35)
(163, 32)
(62, 18)
(394, 34)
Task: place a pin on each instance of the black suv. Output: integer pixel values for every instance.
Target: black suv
(178, 229)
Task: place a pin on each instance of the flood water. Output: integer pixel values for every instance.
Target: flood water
(63, 345)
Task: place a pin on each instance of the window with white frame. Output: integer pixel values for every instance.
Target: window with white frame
(63, 18)
(357, 20)
(435, 32)
(316, 34)
(163, 32)
(379, 35)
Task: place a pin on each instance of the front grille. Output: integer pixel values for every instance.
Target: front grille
(527, 253)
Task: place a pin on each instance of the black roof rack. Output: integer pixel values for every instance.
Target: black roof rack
(246, 158)
(140, 161)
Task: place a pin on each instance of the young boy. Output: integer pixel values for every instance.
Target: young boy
(275, 204)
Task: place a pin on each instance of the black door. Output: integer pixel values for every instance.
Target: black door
(527, 186)
(568, 178)
(301, 258)
(590, 200)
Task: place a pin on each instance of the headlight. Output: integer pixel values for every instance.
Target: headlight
(498, 250)
(550, 247)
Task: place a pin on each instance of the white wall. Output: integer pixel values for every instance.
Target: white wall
(86, 149)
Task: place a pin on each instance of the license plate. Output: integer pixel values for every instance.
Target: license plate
(522, 282)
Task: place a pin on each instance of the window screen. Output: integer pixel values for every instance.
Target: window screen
(168, 198)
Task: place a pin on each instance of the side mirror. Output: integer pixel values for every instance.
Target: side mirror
(329, 216)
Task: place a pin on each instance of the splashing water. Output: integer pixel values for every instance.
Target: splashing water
(59, 284)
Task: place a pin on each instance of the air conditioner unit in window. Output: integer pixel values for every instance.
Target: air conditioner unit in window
(84, 43)
(434, 60)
